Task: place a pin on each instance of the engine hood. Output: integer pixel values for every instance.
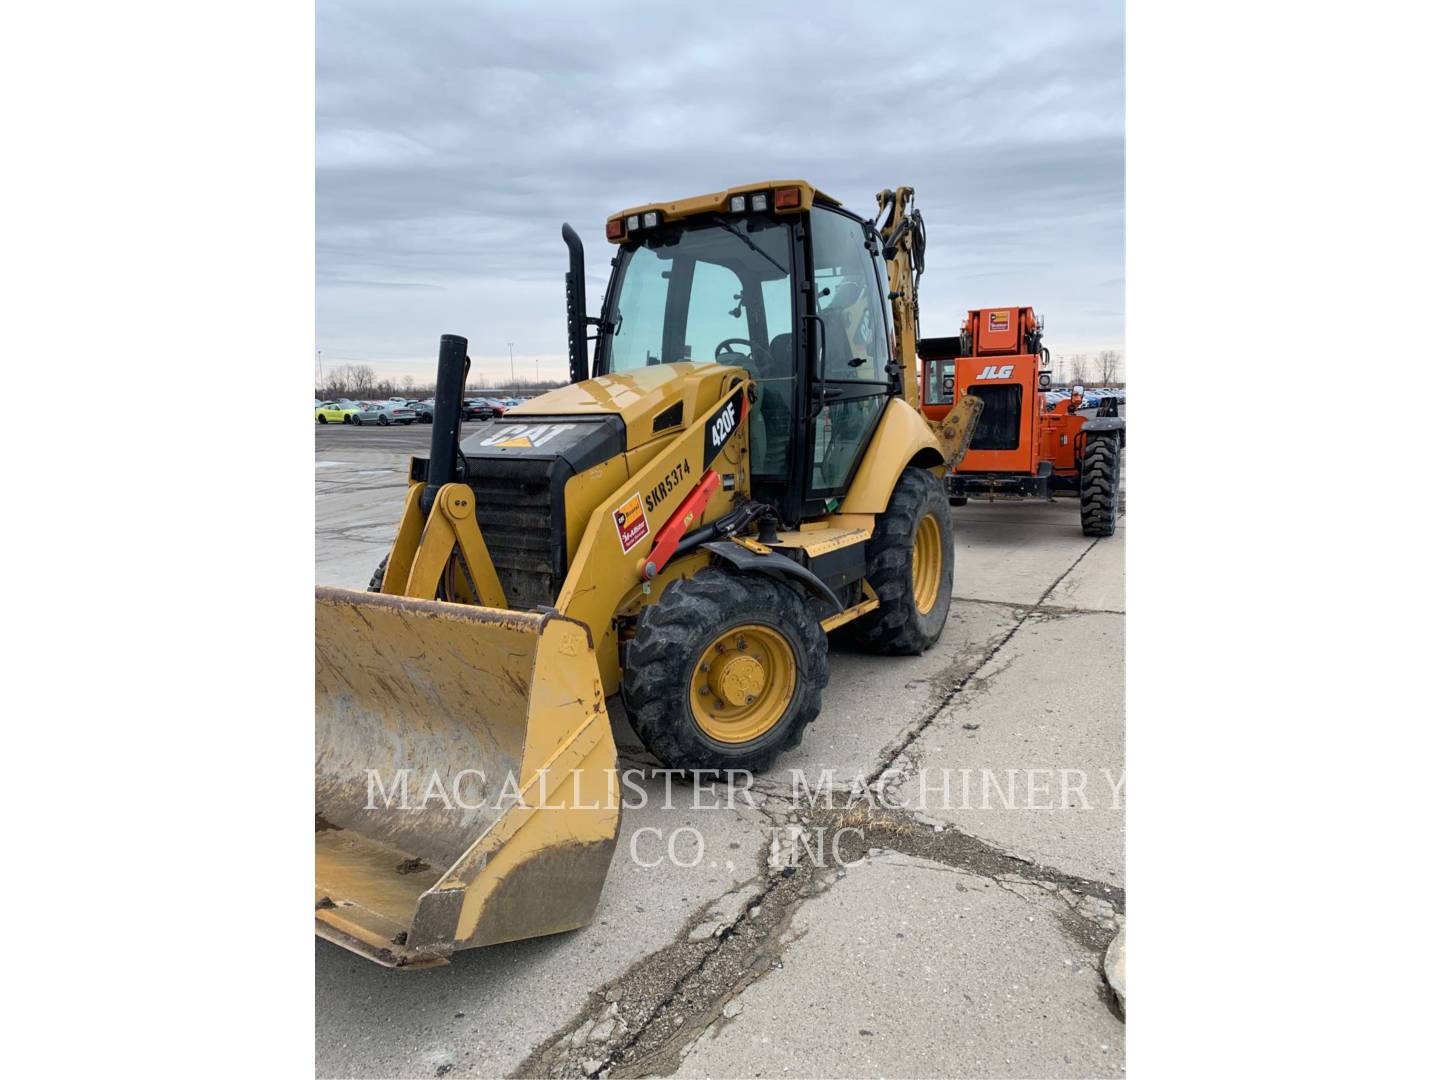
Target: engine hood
(638, 397)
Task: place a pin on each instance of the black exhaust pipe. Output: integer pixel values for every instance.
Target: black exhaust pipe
(445, 433)
(575, 316)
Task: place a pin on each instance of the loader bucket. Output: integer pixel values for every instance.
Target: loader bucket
(465, 779)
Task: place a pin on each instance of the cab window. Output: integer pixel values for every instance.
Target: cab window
(856, 331)
(714, 291)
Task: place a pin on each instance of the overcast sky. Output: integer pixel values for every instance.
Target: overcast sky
(454, 138)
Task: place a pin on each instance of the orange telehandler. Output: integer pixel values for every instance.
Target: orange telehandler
(1019, 448)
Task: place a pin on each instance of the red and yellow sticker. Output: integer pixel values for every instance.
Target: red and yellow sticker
(631, 523)
(999, 322)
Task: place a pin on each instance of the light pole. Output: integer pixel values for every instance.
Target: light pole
(511, 345)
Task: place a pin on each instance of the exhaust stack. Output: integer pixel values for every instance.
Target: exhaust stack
(450, 376)
(576, 319)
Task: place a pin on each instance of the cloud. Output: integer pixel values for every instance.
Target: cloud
(454, 138)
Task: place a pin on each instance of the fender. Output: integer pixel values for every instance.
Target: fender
(903, 437)
(1103, 424)
(775, 566)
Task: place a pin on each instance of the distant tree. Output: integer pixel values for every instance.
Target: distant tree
(1080, 369)
(360, 379)
(1109, 361)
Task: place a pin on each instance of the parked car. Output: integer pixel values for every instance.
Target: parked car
(385, 413)
(496, 405)
(336, 412)
(476, 409)
(424, 410)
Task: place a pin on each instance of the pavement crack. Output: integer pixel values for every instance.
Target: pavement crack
(1049, 609)
(900, 831)
(646, 1019)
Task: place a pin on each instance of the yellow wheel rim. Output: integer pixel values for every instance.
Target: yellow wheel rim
(742, 683)
(926, 565)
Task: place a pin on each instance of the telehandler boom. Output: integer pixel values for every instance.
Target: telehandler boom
(741, 470)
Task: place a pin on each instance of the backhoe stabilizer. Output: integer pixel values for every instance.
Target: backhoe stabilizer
(465, 776)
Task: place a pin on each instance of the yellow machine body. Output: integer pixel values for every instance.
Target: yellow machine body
(466, 788)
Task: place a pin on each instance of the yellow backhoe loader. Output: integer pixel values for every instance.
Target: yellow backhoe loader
(742, 471)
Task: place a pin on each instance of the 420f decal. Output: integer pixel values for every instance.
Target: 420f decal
(722, 425)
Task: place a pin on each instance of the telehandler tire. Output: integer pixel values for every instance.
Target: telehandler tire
(724, 672)
(910, 563)
(1100, 485)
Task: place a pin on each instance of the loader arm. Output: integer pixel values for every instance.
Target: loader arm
(607, 564)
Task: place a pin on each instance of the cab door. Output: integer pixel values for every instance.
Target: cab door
(850, 336)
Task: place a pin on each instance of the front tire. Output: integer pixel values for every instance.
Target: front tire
(724, 672)
(910, 563)
(322, 419)
(1100, 485)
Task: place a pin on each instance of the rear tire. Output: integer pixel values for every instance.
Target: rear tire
(384, 421)
(1100, 485)
(322, 419)
(913, 603)
(706, 636)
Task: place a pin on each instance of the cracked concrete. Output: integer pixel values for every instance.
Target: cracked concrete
(913, 968)
(1044, 746)
(956, 942)
(646, 1022)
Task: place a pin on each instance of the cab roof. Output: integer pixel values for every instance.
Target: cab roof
(719, 201)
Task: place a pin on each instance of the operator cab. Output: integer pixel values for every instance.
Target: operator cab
(783, 283)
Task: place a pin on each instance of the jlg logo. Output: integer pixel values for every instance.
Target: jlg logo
(993, 372)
